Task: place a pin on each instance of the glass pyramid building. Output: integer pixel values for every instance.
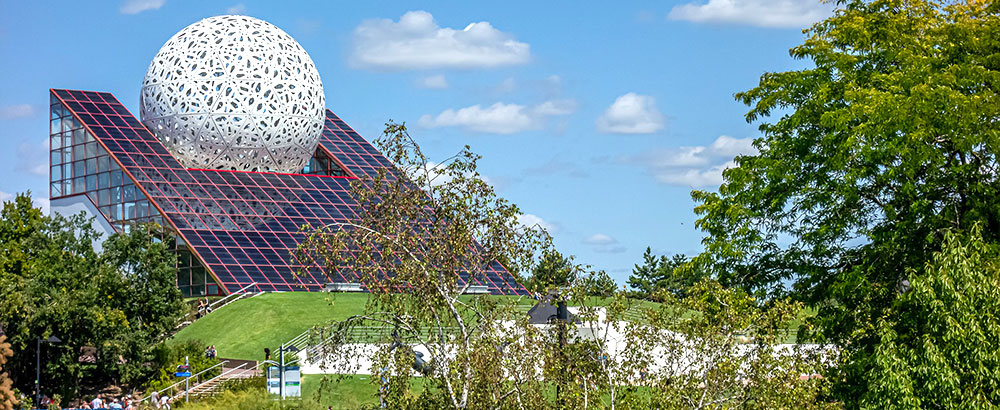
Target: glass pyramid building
(234, 230)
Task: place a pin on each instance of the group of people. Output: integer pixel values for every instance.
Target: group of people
(210, 352)
(125, 403)
(204, 307)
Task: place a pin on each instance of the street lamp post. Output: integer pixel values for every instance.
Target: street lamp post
(38, 365)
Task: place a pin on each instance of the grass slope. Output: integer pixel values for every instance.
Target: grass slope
(242, 329)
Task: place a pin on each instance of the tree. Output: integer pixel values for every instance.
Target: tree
(553, 270)
(52, 282)
(675, 275)
(940, 345)
(866, 159)
(422, 237)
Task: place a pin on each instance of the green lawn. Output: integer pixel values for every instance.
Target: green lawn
(242, 329)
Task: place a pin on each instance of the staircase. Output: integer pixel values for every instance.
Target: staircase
(242, 369)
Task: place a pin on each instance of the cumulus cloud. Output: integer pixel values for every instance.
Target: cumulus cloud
(631, 114)
(434, 81)
(237, 9)
(761, 13)
(603, 243)
(499, 118)
(139, 6)
(417, 42)
(12, 112)
(533, 221)
(695, 166)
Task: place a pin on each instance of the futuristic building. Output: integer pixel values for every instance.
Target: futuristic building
(234, 154)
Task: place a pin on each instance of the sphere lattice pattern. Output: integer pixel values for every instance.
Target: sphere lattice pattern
(234, 92)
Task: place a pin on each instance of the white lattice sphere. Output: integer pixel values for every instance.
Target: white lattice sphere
(234, 92)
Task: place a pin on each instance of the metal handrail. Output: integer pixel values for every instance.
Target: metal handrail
(238, 292)
(210, 380)
(158, 392)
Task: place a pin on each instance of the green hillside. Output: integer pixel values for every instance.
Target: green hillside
(242, 329)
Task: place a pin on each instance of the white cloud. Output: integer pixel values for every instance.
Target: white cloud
(604, 244)
(237, 9)
(532, 221)
(417, 42)
(761, 13)
(631, 114)
(40, 202)
(499, 118)
(11, 112)
(697, 166)
(33, 158)
(139, 6)
(434, 81)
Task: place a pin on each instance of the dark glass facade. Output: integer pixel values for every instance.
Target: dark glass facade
(233, 228)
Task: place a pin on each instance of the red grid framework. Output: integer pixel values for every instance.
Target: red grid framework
(242, 225)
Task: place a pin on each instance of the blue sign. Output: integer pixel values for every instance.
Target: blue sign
(182, 374)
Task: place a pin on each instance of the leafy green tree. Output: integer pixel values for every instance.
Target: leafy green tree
(553, 270)
(675, 275)
(940, 345)
(598, 284)
(866, 158)
(53, 283)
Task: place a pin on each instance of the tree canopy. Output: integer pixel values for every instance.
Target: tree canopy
(121, 301)
(866, 160)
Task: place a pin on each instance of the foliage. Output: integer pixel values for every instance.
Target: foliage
(940, 345)
(414, 239)
(553, 271)
(598, 284)
(867, 158)
(7, 398)
(167, 356)
(53, 283)
(673, 275)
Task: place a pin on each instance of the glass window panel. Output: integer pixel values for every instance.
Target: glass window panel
(130, 210)
(103, 197)
(55, 189)
(67, 187)
(91, 149)
(67, 154)
(56, 157)
(79, 168)
(79, 186)
(102, 180)
(128, 192)
(141, 210)
(116, 194)
(56, 173)
(56, 126)
(91, 182)
(78, 152)
(79, 136)
(55, 110)
(92, 166)
(67, 123)
(116, 178)
(55, 142)
(102, 163)
(117, 209)
(88, 137)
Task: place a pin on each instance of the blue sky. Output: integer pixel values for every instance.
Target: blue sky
(597, 119)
